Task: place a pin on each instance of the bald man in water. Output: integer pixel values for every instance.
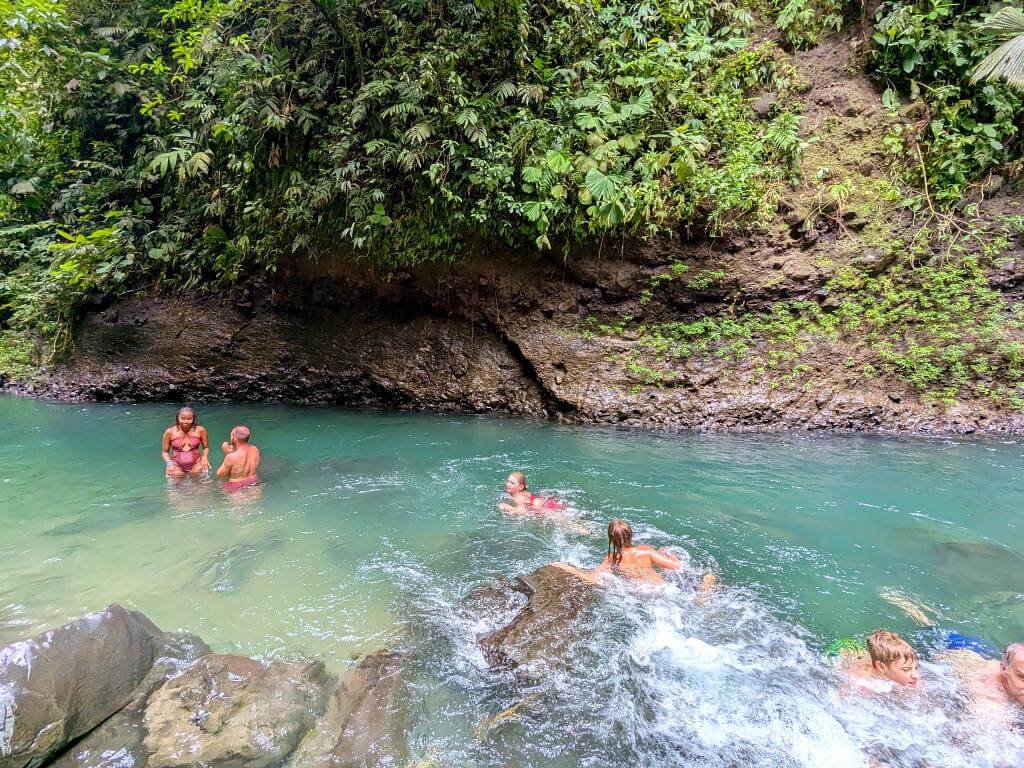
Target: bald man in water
(995, 686)
(241, 461)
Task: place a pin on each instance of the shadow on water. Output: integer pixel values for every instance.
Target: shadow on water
(109, 515)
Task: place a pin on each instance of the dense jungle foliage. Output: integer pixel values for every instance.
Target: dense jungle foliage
(202, 140)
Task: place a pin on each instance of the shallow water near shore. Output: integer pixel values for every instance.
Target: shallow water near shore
(370, 528)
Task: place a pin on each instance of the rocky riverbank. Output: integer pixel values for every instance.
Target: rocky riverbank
(111, 689)
(541, 339)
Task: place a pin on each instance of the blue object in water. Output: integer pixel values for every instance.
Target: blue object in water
(957, 642)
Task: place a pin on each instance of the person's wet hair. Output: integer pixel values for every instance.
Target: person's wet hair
(620, 537)
(1010, 653)
(520, 478)
(181, 412)
(885, 647)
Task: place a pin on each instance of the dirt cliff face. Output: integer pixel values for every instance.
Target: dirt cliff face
(654, 334)
(257, 347)
(496, 338)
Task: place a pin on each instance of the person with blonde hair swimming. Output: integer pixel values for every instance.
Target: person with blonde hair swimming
(634, 562)
(523, 502)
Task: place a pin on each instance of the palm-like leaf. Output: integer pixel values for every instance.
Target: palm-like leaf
(1007, 61)
(1009, 22)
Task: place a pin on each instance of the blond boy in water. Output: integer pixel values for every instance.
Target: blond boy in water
(891, 663)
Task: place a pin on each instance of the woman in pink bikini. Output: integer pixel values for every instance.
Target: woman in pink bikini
(524, 502)
(186, 449)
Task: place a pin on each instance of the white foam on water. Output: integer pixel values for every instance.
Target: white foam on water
(7, 707)
(731, 685)
(737, 696)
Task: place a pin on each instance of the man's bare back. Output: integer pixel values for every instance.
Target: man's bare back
(241, 460)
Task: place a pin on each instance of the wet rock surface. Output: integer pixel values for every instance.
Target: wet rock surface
(232, 711)
(118, 741)
(61, 684)
(169, 349)
(514, 335)
(362, 726)
(546, 628)
(497, 598)
(111, 690)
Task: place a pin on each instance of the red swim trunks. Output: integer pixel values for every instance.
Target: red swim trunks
(237, 485)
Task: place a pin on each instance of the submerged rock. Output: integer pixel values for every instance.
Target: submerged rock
(973, 551)
(363, 725)
(62, 683)
(226, 570)
(497, 598)
(233, 712)
(989, 565)
(550, 623)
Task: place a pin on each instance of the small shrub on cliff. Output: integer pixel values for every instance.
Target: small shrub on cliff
(804, 23)
(938, 326)
(925, 51)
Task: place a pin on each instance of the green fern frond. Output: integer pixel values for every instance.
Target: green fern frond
(419, 133)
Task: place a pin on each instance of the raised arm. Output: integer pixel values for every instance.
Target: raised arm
(224, 470)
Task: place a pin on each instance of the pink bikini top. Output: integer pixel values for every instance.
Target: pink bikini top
(193, 441)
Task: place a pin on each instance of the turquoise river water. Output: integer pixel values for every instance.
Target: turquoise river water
(370, 528)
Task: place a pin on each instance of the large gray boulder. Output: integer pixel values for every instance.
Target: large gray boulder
(550, 623)
(228, 711)
(118, 741)
(362, 727)
(59, 685)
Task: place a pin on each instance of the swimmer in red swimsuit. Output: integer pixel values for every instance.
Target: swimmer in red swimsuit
(182, 445)
(524, 502)
(241, 461)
